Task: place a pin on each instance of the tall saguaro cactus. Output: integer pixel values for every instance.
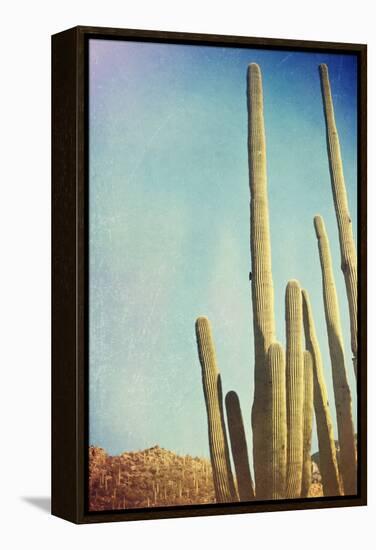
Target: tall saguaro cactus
(346, 239)
(211, 381)
(307, 423)
(277, 432)
(262, 282)
(327, 449)
(294, 388)
(239, 446)
(342, 393)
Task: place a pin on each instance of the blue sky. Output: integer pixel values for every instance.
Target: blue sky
(169, 225)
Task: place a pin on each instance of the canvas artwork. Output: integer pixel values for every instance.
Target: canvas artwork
(222, 246)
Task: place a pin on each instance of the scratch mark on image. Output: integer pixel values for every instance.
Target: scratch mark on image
(284, 59)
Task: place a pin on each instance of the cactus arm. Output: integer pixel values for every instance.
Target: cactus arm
(307, 424)
(294, 389)
(346, 239)
(239, 447)
(211, 381)
(261, 280)
(342, 394)
(328, 456)
(278, 420)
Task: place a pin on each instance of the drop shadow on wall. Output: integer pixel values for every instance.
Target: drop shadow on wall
(43, 503)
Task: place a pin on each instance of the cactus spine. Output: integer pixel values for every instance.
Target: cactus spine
(276, 371)
(342, 393)
(211, 381)
(328, 456)
(346, 239)
(307, 424)
(239, 447)
(262, 283)
(294, 389)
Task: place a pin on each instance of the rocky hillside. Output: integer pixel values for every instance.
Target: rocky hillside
(154, 477)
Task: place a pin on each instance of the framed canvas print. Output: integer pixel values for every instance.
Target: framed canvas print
(209, 274)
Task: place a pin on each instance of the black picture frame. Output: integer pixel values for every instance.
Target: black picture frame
(70, 274)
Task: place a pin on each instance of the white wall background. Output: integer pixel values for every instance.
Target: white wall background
(25, 271)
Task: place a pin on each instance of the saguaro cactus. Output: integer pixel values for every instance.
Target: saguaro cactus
(211, 381)
(307, 424)
(277, 432)
(294, 389)
(262, 283)
(342, 393)
(328, 456)
(346, 239)
(239, 447)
